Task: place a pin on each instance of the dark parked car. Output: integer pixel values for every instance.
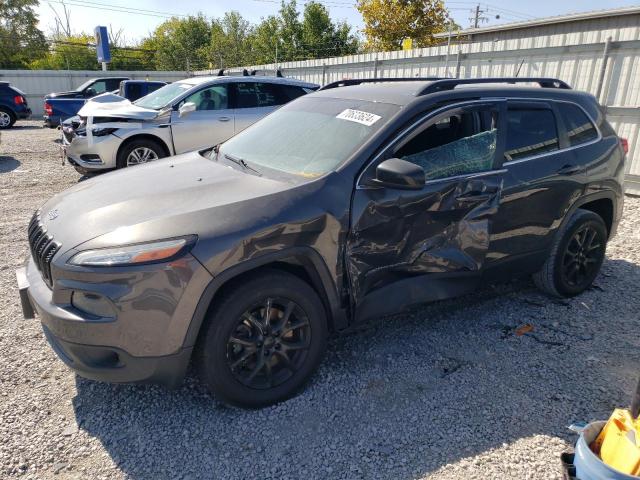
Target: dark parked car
(346, 204)
(90, 88)
(62, 105)
(132, 90)
(13, 105)
(59, 109)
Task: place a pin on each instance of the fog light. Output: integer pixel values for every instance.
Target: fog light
(92, 303)
(90, 158)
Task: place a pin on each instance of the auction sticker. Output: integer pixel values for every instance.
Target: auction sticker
(358, 116)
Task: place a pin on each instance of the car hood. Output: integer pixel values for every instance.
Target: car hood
(182, 195)
(116, 109)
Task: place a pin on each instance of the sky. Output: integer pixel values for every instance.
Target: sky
(86, 14)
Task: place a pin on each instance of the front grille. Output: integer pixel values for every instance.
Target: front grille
(43, 247)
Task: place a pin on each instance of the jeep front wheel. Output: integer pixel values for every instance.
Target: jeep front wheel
(263, 340)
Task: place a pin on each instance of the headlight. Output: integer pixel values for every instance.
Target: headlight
(101, 132)
(152, 252)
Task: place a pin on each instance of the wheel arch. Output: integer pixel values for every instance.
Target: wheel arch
(303, 262)
(143, 136)
(602, 203)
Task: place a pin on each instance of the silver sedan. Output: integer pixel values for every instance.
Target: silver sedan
(187, 115)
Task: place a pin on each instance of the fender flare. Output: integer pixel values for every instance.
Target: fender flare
(607, 194)
(136, 136)
(310, 259)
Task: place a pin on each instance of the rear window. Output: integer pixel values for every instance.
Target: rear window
(256, 94)
(579, 128)
(530, 131)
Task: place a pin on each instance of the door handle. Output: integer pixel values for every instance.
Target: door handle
(569, 170)
(224, 119)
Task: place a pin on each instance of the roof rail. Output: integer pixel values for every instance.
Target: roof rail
(357, 81)
(450, 83)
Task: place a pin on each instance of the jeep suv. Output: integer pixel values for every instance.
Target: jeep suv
(349, 203)
(13, 105)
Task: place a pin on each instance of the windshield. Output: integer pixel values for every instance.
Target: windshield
(309, 136)
(163, 96)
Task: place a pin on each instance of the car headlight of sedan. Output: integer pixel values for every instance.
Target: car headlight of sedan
(143, 253)
(101, 132)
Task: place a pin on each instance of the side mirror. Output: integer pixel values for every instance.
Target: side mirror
(186, 108)
(398, 173)
(90, 92)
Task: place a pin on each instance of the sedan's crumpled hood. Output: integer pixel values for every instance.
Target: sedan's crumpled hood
(182, 195)
(117, 109)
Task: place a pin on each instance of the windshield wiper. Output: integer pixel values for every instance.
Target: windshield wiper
(242, 163)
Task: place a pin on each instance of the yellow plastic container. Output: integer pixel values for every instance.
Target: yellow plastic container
(618, 444)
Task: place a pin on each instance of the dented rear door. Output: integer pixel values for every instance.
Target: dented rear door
(411, 246)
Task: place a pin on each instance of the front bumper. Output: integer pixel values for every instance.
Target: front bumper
(99, 154)
(143, 343)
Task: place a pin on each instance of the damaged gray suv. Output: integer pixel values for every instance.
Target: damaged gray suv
(346, 204)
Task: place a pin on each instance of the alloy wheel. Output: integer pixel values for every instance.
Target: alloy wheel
(140, 155)
(269, 343)
(5, 119)
(582, 257)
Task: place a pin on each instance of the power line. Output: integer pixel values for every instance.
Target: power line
(117, 8)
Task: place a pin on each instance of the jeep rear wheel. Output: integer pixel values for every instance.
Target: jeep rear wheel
(263, 340)
(576, 257)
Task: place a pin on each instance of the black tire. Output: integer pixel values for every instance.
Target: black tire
(142, 143)
(5, 112)
(571, 268)
(231, 368)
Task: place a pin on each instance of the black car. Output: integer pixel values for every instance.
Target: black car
(349, 203)
(13, 105)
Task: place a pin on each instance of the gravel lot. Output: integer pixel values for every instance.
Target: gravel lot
(445, 392)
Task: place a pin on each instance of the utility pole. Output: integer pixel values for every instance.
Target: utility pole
(478, 16)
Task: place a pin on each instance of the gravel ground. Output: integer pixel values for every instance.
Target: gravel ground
(445, 392)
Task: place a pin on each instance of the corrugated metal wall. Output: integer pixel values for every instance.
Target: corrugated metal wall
(572, 52)
(37, 83)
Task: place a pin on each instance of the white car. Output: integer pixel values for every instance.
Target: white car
(183, 116)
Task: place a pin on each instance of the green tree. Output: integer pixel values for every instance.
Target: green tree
(21, 42)
(290, 33)
(181, 43)
(388, 22)
(231, 41)
(321, 37)
(69, 53)
(264, 41)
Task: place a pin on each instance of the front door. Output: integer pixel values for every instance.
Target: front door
(210, 124)
(411, 246)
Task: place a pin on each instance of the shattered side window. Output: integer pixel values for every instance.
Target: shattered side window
(460, 144)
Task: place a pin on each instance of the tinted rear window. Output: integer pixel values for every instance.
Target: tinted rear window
(579, 128)
(530, 132)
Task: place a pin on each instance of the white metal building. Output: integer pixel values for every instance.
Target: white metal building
(569, 47)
